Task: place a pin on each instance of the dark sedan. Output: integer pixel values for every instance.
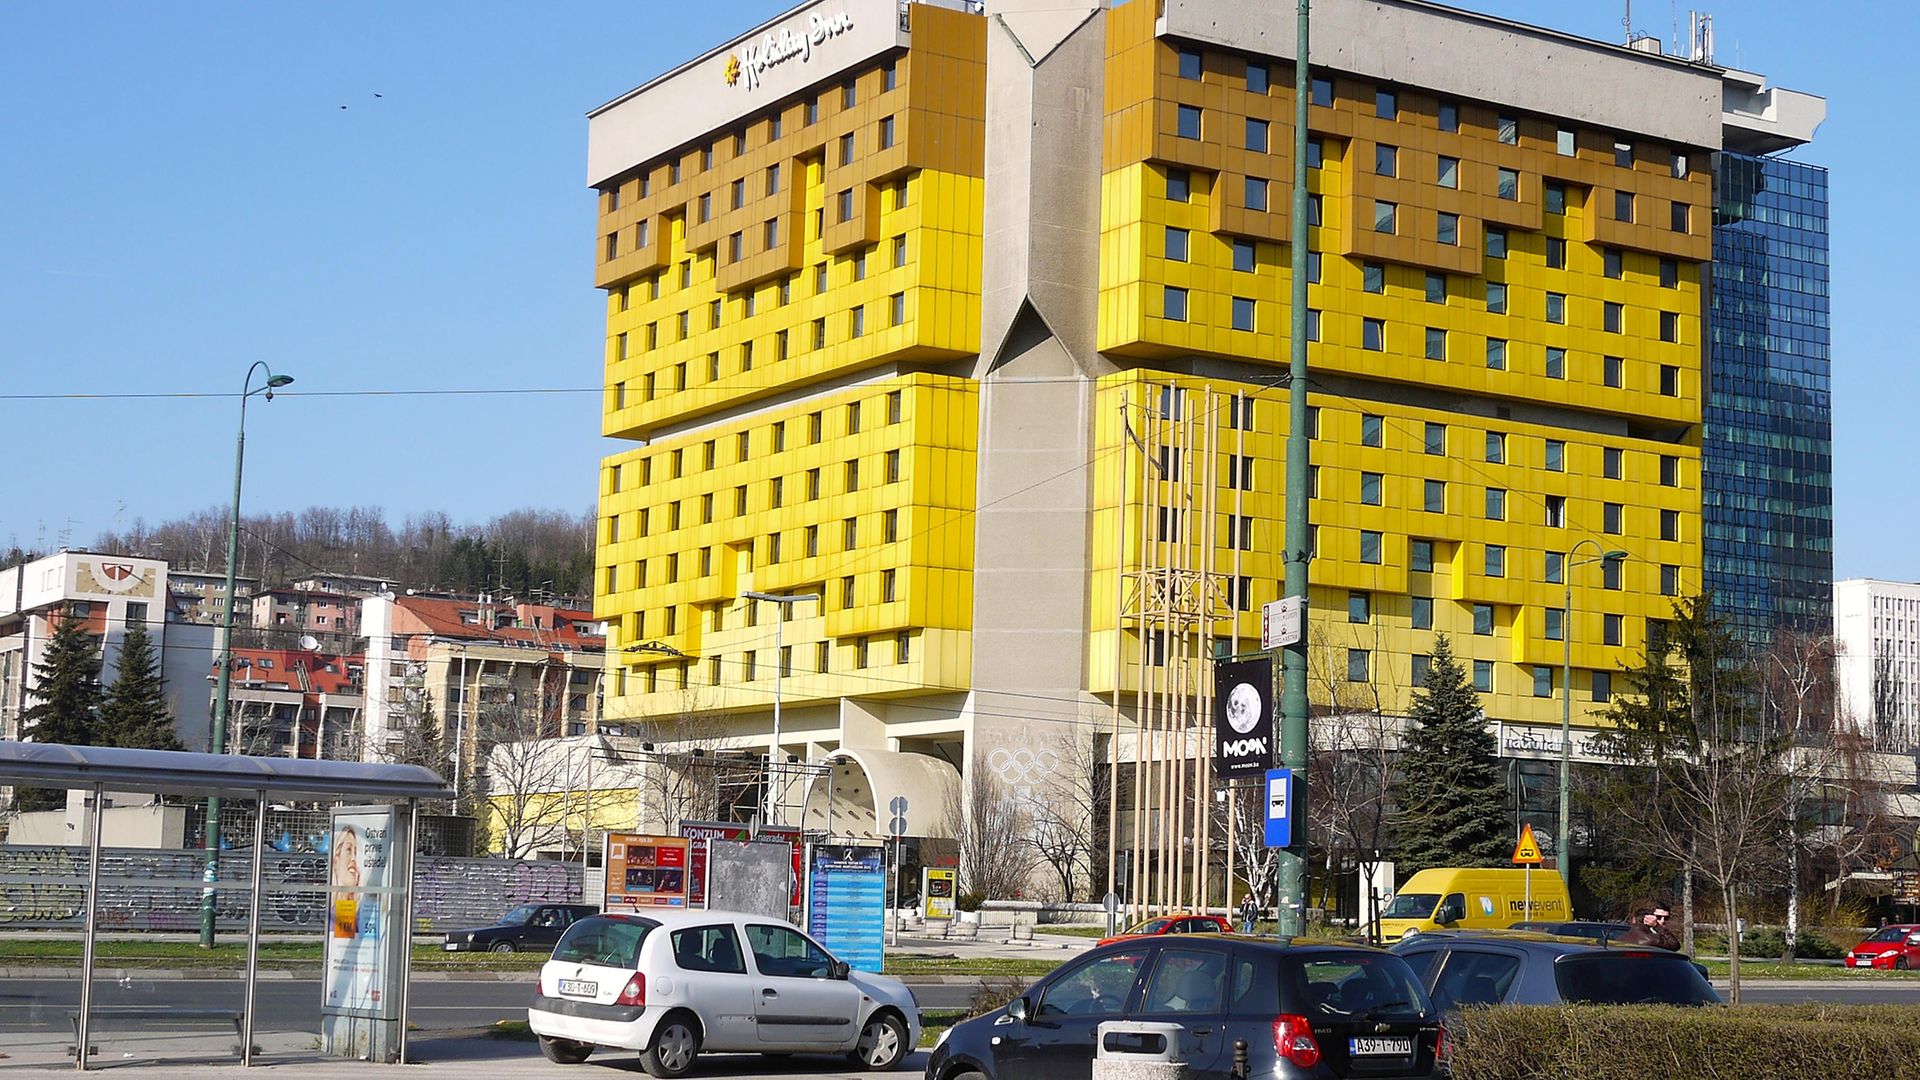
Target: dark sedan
(1601, 932)
(1305, 1011)
(1494, 967)
(529, 926)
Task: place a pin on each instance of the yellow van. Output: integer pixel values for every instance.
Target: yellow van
(1480, 898)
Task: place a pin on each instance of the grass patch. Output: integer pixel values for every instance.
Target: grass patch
(1072, 931)
(910, 964)
(510, 1030)
(935, 1021)
(1774, 969)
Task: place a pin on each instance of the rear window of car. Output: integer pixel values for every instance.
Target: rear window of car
(1616, 978)
(1346, 985)
(605, 942)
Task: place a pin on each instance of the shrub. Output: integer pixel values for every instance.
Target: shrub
(995, 991)
(1643, 1042)
(1770, 943)
(970, 900)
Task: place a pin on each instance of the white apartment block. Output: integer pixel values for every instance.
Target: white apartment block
(1876, 626)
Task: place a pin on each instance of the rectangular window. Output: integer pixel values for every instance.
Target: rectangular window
(1449, 172)
(1243, 309)
(1436, 343)
(1556, 307)
(1422, 666)
(1373, 333)
(1386, 159)
(1610, 629)
(1679, 165)
(1256, 193)
(1384, 214)
(1565, 143)
(1179, 185)
(1623, 206)
(1436, 438)
(1669, 274)
(1610, 517)
(1556, 507)
(1556, 566)
(1670, 326)
(848, 94)
(1421, 612)
(1173, 304)
(1497, 354)
(1483, 676)
(1189, 64)
(857, 322)
(1244, 257)
(1359, 607)
(1496, 448)
(1496, 504)
(1496, 243)
(1446, 228)
(1555, 196)
(1669, 580)
(1610, 574)
(1257, 136)
(1611, 264)
(1507, 130)
(1669, 380)
(1483, 620)
(1258, 78)
(1669, 524)
(1509, 184)
(1373, 277)
(1556, 455)
(1420, 556)
(1386, 104)
(1176, 244)
(886, 132)
(1555, 624)
(1612, 371)
(1370, 488)
(1612, 317)
(1603, 686)
(1669, 471)
(1436, 288)
(1322, 90)
(1315, 153)
(1449, 116)
(845, 205)
(1313, 325)
(1496, 561)
(1496, 298)
(1187, 121)
(1623, 154)
(1357, 665)
(1556, 253)
(1370, 427)
(1542, 680)
(1369, 546)
(1434, 494)
(1610, 458)
(1556, 362)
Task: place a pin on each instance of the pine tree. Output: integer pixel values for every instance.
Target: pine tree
(1453, 804)
(67, 702)
(135, 713)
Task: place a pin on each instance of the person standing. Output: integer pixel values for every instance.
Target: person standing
(1249, 911)
(1652, 930)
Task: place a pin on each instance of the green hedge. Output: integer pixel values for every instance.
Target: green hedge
(1650, 1042)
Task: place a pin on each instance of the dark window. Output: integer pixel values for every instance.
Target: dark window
(1187, 981)
(708, 948)
(1099, 987)
(1603, 978)
(1471, 977)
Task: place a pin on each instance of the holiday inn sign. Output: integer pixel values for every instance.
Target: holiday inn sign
(777, 48)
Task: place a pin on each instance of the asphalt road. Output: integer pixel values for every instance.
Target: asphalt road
(293, 1004)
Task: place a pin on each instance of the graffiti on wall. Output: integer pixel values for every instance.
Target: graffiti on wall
(142, 889)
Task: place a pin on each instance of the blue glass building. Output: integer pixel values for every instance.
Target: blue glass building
(1767, 452)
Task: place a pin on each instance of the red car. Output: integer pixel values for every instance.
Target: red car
(1896, 947)
(1174, 924)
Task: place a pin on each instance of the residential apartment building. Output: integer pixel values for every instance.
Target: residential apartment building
(1876, 627)
(495, 669)
(295, 703)
(294, 611)
(972, 325)
(199, 596)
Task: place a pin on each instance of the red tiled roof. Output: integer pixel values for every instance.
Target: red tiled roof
(285, 672)
(443, 618)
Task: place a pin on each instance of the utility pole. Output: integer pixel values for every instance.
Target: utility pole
(1291, 871)
(781, 602)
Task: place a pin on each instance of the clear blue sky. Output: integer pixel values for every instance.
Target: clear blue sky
(181, 194)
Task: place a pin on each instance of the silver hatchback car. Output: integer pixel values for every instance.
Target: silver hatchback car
(675, 985)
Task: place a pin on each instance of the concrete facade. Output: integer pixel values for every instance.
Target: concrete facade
(1876, 628)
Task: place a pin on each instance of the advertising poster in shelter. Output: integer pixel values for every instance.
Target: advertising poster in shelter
(698, 833)
(936, 892)
(847, 900)
(645, 872)
(360, 859)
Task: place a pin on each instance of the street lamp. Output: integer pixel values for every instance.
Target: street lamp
(1562, 846)
(222, 684)
(785, 600)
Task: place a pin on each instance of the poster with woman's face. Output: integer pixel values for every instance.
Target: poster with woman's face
(359, 868)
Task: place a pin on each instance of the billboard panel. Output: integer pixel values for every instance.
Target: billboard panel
(360, 975)
(847, 901)
(645, 872)
(1243, 717)
(700, 832)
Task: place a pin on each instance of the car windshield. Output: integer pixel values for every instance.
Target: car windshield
(1354, 985)
(1412, 905)
(1615, 978)
(1150, 926)
(519, 915)
(605, 942)
(1891, 933)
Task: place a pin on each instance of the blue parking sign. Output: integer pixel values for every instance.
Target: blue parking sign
(1279, 808)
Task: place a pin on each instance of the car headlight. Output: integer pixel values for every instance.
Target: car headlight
(941, 1039)
(1889, 952)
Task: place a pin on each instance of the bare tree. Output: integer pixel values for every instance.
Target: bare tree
(1254, 862)
(1068, 815)
(988, 825)
(1351, 743)
(695, 770)
(1796, 681)
(525, 788)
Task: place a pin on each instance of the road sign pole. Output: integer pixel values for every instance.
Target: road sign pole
(1528, 877)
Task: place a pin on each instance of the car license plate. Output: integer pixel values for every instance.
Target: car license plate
(579, 988)
(451, 947)
(1377, 1045)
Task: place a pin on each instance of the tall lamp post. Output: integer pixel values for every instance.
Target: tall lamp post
(223, 678)
(784, 600)
(1562, 841)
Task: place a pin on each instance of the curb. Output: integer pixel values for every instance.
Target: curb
(263, 975)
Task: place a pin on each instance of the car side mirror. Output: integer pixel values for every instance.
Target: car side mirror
(839, 969)
(1702, 969)
(1017, 1008)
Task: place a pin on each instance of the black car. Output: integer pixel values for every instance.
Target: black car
(1304, 1010)
(1512, 967)
(529, 926)
(1601, 932)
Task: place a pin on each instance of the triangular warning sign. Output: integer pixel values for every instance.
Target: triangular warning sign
(1527, 851)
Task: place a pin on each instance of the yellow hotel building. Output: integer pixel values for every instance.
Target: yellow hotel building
(971, 323)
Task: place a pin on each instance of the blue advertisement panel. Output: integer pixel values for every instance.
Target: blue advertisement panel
(846, 902)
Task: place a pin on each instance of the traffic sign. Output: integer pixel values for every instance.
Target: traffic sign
(1527, 851)
(898, 825)
(1281, 622)
(1279, 808)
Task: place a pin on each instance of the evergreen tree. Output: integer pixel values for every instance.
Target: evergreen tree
(67, 702)
(1453, 803)
(135, 713)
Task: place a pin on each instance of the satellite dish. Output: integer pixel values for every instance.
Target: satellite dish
(309, 643)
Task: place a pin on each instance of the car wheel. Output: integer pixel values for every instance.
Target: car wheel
(676, 1042)
(501, 946)
(564, 1051)
(1899, 963)
(883, 1042)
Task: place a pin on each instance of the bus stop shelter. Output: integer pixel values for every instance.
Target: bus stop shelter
(98, 770)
